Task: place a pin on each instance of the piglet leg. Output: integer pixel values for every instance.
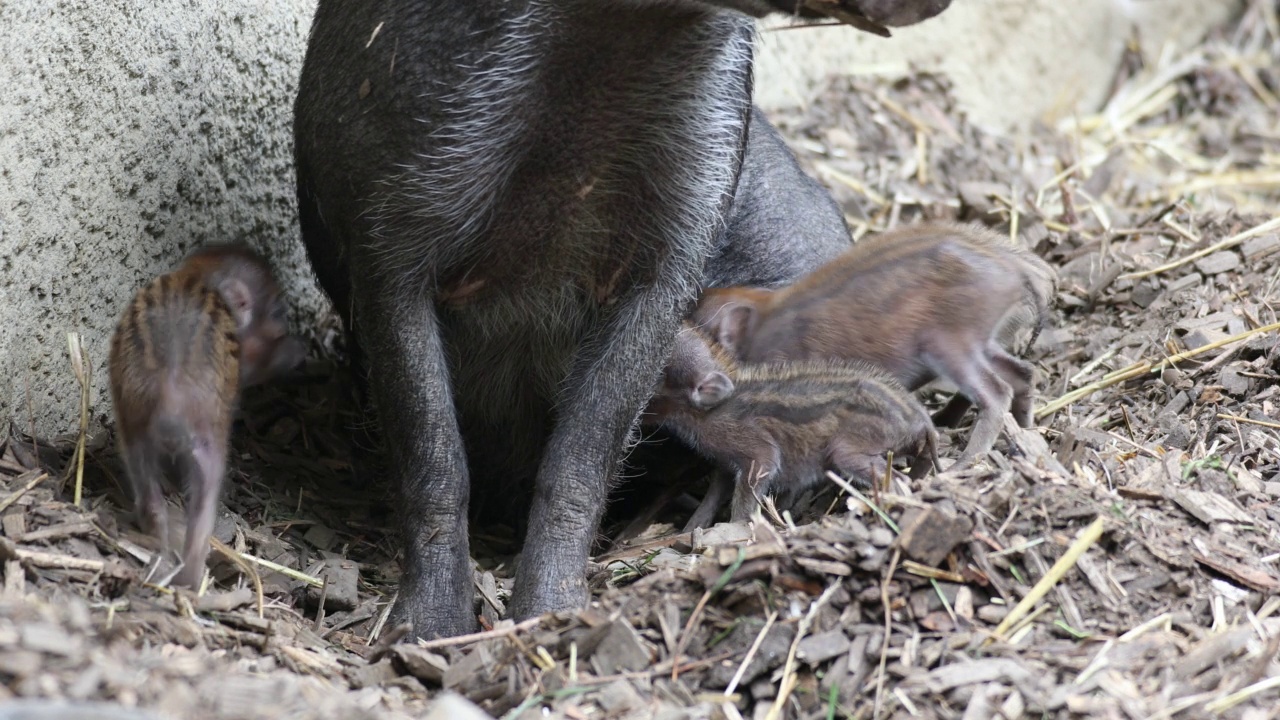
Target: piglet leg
(977, 379)
(926, 455)
(718, 492)
(755, 480)
(202, 479)
(402, 343)
(1018, 374)
(142, 465)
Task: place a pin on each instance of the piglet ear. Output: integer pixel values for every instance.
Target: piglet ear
(235, 293)
(714, 388)
(734, 326)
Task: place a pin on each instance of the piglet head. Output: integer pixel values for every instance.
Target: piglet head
(245, 283)
(695, 378)
(729, 316)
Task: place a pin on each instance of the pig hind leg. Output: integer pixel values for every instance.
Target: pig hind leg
(146, 480)
(978, 379)
(1018, 374)
(203, 472)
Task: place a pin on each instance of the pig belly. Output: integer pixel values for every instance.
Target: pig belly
(509, 357)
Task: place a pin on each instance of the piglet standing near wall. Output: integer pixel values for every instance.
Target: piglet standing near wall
(186, 346)
(921, 302)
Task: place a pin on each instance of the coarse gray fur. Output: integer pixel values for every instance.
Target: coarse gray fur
(512, 204)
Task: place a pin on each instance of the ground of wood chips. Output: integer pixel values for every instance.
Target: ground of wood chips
(1159, 469)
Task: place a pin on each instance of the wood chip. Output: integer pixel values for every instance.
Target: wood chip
(615, 648)
(819, 648)
(1252, 578)
(423, 664)
(929, 535)
(1209, 507)
(1218, 262)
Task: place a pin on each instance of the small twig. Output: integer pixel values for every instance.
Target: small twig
(702, 604)
(53, 561)
(1250, 421)
(1141, 368)
(853, 184)
(16, 494)
(324, 596)
(888, 629)
(751, 653)
(286, 571)
(477, 637)
(864, 500)
(376, 631)
(246, 567)
(1068, 560)
(53, 532)
(1239, 696)
(1232, 241)
(789, 669)
(933, 573)
(80, 366)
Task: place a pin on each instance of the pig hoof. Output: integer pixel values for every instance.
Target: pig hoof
(428, 620)
(546, 594)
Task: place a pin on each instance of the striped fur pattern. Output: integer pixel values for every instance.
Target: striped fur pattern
(929, 300)
(183, 349)
(785, 423)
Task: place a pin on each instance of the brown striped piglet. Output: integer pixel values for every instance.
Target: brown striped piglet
(779, 426)
(929, 300)
(185, 347)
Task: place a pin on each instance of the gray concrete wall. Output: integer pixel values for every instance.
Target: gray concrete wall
(1010, 61)
(131, 131)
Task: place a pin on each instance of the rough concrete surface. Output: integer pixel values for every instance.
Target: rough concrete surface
(131, 131)
(1011, 61)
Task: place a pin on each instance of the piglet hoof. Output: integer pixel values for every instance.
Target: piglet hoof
(189, 577)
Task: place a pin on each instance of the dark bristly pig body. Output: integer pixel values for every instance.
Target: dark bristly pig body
(924, 301)
(184, 348)
(778, 426)
(513, 203)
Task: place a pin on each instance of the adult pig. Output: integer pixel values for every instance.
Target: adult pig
(513, 203)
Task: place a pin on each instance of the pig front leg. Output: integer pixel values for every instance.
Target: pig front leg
(866, 464)
(401, 342)
(611, 379)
